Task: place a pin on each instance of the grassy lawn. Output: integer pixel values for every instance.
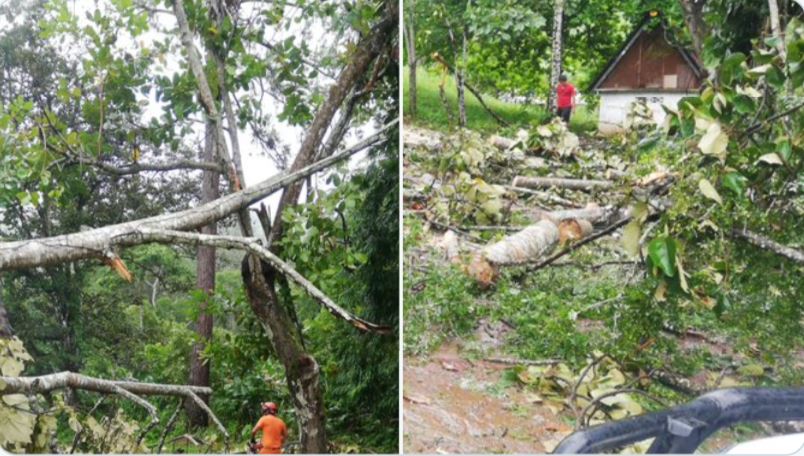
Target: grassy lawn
(431, 112)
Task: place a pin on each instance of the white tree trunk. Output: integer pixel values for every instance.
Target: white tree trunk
(776, 27)
(410, 41)
(572, 184)
(555, 72)
(97, 243)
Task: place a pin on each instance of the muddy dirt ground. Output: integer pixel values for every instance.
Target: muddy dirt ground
(456, 402)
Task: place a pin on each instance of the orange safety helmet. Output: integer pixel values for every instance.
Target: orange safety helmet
(269, 407)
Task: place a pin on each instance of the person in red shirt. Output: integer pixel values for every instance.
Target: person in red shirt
(565, 98)
(274, 431)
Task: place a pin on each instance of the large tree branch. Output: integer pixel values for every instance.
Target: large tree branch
(368, 49)
(206, 95)
(251, 245)
(129, 390)
(96, 243)
(135, 168)
(572, 184)
(767, 244)
(62, 380)
(474, 91)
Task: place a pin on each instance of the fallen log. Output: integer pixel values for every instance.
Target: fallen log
(502, 142)
(572, 184)
(592, 213)
(524, 246)
(549, 197)
(96, 243)
(767, 244)
(128, 389)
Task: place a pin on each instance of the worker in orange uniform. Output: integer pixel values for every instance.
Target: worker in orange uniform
(565, 98)
(274, 431)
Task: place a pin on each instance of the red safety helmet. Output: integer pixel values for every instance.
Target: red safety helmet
(269, 407)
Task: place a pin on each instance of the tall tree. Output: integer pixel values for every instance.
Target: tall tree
(556, 59)
(694, 18)
(205, 281)
(410, 42)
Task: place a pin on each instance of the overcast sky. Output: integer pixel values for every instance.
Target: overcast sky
(257, 165)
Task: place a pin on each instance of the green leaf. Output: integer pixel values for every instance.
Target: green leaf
(771, 159)
(735, 182)
(662, 253)
(751, 370)
(714, 141)
(709, 191)
(682, 275)
(631, 234)
(762, 69)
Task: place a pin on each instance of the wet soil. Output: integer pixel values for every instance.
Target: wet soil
(457, 403)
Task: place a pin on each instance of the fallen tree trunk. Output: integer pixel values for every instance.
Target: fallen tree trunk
(129, 390)
(572, 184)
(96, 243)
(532, 242)
(575, 246)
(592, 213)
(502, 142)
(524, 246)
(767, 244)
(253, 246)
(62, 380)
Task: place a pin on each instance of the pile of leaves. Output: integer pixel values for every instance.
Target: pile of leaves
(460, 192)
(553, 138)
(593, 390)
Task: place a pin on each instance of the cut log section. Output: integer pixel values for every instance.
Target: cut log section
(525, 246)
(572, 184)
(532, 242)
(502, 143)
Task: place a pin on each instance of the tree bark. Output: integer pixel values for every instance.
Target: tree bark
(525, 246)
(205, 281)
(459, 76)
(555, 70)
(6, 331)
(367, 50)
(251, 245)
(767, 244)
(410, 40)
(474, 92)
(97, 242)
(572, 184)
(776, 27)
(301, 369)
(693, 17)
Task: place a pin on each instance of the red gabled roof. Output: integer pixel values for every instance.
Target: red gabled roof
(615, 75)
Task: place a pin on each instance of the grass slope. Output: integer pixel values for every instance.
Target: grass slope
(431, 112)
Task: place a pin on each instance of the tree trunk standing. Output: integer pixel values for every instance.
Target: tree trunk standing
(555, 71)
(462, 85)
(693, 17)
(6, 331)
(301, 370)
(205, 280)
(459, 76)
(410, 40)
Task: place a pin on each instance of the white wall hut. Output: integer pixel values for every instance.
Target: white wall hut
(649, 67)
